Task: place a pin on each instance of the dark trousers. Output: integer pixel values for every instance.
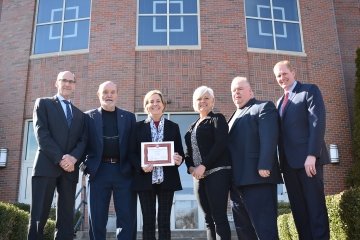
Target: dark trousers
(307, 201)
(260, 201)
(42, 193)
(242, 222)
(212, 194)
(109, 181)
(148, 208)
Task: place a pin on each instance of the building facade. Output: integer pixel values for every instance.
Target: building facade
(174, 46)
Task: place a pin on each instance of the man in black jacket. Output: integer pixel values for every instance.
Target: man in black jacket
(60, 132)
(253, 138)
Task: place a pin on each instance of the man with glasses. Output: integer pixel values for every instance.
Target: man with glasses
(59, 129)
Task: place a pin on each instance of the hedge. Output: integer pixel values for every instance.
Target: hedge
(14, 223)
(344, 217)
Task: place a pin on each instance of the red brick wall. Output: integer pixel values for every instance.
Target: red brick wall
(176, 73)
(348, 22)
(15, 37)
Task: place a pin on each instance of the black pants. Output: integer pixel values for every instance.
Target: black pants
(42, 195)
(148, 208)
(308, 205)
(243, 225)
(212, 193)
(260, 201)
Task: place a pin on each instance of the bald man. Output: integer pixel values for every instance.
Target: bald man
(59, 129)
(108, 167)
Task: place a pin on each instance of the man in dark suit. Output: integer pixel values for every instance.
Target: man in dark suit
(253, 138)
(108, 165)
(303, 152)
(60, 132)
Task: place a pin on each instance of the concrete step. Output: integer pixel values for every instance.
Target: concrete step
(175, 235)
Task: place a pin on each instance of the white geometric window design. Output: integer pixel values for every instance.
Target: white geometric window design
(168, 23)
(74, 34)
(181, 24)
(61, 25)
(273, 25)
(282, 10)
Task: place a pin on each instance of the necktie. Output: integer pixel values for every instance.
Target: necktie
(284, 103)
(68, 112)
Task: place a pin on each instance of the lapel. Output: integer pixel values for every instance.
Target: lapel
(120, 124)
(99, 124)
(243, 112)
(59, 108)
(290, 101)
(166, 130)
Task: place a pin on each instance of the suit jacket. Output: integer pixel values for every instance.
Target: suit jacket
(253, 140)
(56, 139)
(143, 181)
(303, 127)
(94, 150)
(212, 138)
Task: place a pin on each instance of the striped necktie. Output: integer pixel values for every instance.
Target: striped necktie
(68, 112)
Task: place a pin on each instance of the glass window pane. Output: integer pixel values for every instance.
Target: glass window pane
(77, 9)
(288, 36)
(259, 34)
(183, 30)
(49, 11)
(176, 7)
(31, 144)
(152, 31)
(47, 38)
(257, 8)
(76, 35)
(289, 9)
(152, 6)
(184, 121)
(186, 214)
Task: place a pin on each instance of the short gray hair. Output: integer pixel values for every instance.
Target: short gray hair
(199, 92)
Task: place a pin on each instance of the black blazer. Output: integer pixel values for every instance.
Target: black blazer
(94, 150)
(303, 127)
(56, 139)
(143, 181)
(212, 138)
(253, 140)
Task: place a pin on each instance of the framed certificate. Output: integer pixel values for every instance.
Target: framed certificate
(157, 153)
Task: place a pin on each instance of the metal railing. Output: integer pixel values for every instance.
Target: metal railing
(80, 209)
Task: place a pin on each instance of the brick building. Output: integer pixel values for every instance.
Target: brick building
(173, 46)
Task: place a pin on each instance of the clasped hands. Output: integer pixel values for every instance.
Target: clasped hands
(177, 160)
(197, 172)
(68, 163)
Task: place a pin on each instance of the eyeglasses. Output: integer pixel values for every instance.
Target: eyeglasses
(67, 81)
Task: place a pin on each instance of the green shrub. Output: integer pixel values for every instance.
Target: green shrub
(26, 207)
(350, 212)
(14, 223)
(343, 212)
(283, 208)
(337, 227)
(49, 230)
(353, 179)
(7, 220)
(282, 222)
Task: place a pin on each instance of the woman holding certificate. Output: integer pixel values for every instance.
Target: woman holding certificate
(208, 161)
(157, 176)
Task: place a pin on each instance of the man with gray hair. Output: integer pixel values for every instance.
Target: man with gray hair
(108, 165)
(253, 138)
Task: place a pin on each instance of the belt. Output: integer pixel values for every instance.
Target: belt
(110, 160)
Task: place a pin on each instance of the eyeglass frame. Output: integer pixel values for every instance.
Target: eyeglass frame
(67, 81)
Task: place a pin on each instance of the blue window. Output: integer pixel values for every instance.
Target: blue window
(62, 25)
(273, 24)
(168, 23)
